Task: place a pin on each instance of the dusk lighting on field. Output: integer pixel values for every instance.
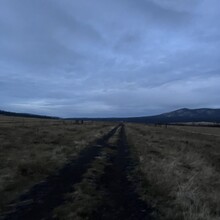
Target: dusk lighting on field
(110, 109)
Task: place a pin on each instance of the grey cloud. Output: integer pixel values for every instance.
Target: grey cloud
(108, 58)
(155, 13)
(42, 34)
(178, 5)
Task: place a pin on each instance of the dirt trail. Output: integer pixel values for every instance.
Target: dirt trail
(120, 200)
(40, 201)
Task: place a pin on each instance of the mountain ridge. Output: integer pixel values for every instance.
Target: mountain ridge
(26, 115)
(184, 115)
(178, 116)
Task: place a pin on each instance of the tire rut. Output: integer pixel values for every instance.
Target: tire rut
(43, 198)
(121, 202)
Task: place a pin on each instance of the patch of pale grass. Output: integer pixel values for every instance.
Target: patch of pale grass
(181, 181)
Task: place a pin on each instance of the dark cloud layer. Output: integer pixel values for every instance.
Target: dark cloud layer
(109, 58)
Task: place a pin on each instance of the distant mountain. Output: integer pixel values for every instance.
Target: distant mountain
(26, 115)
(190, 115)
(181, 116)
(178, 116)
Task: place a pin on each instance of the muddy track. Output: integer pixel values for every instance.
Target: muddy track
(119, 200)
(122, 202)
(40, 201)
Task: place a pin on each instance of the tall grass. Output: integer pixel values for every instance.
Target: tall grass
(32, 149)
(179, 177)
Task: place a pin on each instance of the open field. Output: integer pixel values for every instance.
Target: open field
(179, 168)
(32, 149)
(200, 130)
(106, 191)
(95, 185)
(54, 169)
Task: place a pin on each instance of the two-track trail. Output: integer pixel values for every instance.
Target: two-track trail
(119, 199)
(122, 202)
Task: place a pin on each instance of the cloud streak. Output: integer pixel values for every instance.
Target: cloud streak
(108, 58)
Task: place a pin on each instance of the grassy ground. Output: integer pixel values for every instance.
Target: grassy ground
(201, 130)
(31, 149)
(106, 191)
(89, 194)
(179, 170)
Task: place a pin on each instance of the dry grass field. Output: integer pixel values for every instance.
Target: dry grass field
(179, 170)
(32, 149)
(201, 130)
(172, 173)
(89, 194)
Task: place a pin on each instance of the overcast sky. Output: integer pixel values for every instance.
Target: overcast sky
(109, 57)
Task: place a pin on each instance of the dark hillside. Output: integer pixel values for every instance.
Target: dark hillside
(26, 115)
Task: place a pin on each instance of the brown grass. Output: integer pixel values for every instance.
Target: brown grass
(32, 149)
(89, 194)
(181, 175)
(213, 131)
